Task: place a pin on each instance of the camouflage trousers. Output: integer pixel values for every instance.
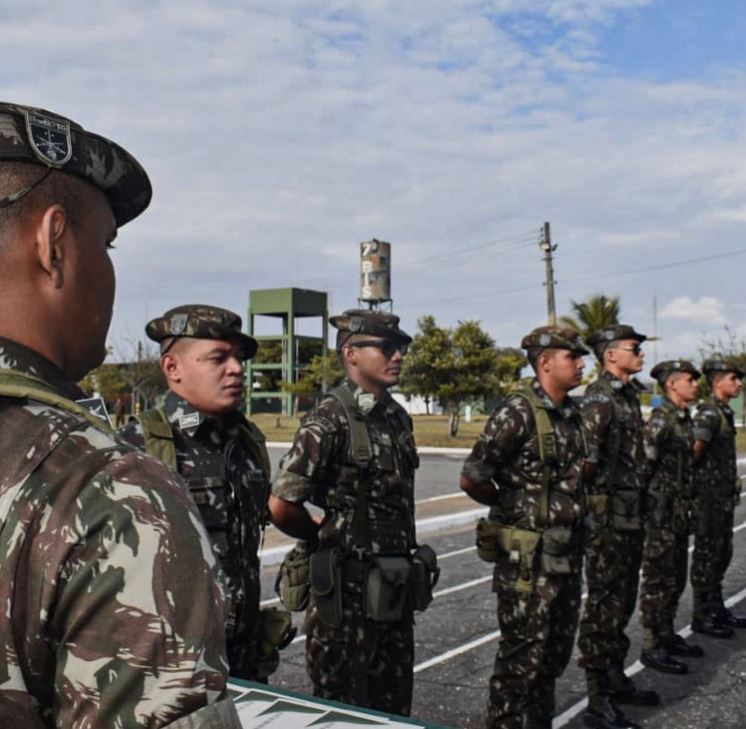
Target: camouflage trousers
(538, 633)
(361, 662)
(612, 571)
(713, 550)
(241, 632)
(664, 575)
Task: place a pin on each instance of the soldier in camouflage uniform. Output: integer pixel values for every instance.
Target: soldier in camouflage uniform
(354, 652)
(201, 432)
(668, 449)
(112, 608)
(615, 485)
(718, 489)
(527, 466)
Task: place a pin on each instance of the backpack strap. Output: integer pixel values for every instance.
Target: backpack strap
(614, 440)
(360, 454)
(159, 436)
(26, 387)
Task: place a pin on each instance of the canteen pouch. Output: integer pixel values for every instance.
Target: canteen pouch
(423, 577)
(293, 582)
(556, 543)
(386, 589)
(326, 586)
(625, 510)
(520, 545)
(275, 632)
(488, 547)
(598, 505)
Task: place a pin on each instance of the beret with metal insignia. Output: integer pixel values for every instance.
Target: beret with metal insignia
(663, 370)
(718, 363)
(43, 138)
(602, 338)
(200, 321)
(366, 321)
(550, 337)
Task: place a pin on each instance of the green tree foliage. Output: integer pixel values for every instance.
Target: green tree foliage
(727, 345)
(321, 373)
(457, 366)
(594, 314)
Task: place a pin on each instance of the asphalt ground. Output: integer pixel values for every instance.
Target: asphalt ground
(457, 636)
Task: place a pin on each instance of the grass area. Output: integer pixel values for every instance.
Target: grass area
(429, 430)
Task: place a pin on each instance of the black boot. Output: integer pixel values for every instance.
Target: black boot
(624, 691)
(731, 620)
(710, 624)
(602, 713)
(659, 660)
(677, 646)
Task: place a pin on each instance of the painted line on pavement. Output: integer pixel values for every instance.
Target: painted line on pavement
(456, 552)
(431, 499)
(462, 586)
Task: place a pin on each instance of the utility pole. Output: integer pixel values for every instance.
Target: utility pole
(547, 247)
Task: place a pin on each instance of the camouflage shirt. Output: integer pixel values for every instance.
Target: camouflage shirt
(229, 481)
(318, 469)
(716, 473)
(507, 453)
(112, 610)
(668, 448)
(612, 420)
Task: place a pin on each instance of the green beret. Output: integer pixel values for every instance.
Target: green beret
(550, 337)
(663, 370)
(367, 321)
(718, 364)
(201, 322)
(43, 138)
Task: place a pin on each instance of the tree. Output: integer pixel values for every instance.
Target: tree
(321, 373)
(457, 366)
(596, 313)
(731, 348)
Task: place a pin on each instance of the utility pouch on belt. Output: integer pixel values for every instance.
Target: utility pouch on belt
(520, 545)
(276, 632)
(556, 543)
(488, 548)
(386, 589)
(326, 587)
(598, 505)
(423, 576)
(625, 510)
(293, 582)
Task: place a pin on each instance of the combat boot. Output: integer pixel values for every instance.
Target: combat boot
(602, 712)
(659, 660)
(710, 624)
(624, 691)
(677, 646)
(730, 620)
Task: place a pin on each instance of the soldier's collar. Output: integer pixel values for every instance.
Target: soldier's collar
(566, 408)
(366, 401)
(182, 414)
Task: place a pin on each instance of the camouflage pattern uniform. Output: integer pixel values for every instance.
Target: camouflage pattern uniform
(112, 611)
(612, 420)
(668, 448)
(538, 624)
(717, 484)
(229, 480)
(360, 661)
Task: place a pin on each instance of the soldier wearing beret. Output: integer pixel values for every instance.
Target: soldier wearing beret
(615, 486)
(527, 466)
(668, 444)
(112, 607)
(202, 434)
(354, 457)
(718, 490)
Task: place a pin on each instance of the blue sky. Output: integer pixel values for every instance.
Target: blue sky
(281, 133)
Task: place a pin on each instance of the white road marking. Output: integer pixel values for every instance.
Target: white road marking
(431, 499)
(462, 586)
(455, 553)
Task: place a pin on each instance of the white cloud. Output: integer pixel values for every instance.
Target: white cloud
(705, 310)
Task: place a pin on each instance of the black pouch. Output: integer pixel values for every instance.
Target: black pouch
(386, 589)
(556, 544)
(626, 512)
(293, 582)
(423, 577)
(326, 586)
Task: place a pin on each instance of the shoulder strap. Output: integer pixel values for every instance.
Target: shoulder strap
(547, 448)
(671, 422)
(361, 455)
(615, 435)
(257, 444)
(26, 387)
(159, 436)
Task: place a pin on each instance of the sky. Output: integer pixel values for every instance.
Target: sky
(279, 134)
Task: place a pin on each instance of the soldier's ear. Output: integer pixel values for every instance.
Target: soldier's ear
(49, 243)
(171, 367)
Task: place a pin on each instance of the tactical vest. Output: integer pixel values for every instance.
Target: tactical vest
(720, 450)
(355, 523)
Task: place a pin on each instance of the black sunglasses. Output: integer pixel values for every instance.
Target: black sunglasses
(388, 347)
(635, 349)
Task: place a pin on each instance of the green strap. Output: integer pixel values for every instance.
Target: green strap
(159, 436)
(361, 455)
(614, 440)
(26, 387)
